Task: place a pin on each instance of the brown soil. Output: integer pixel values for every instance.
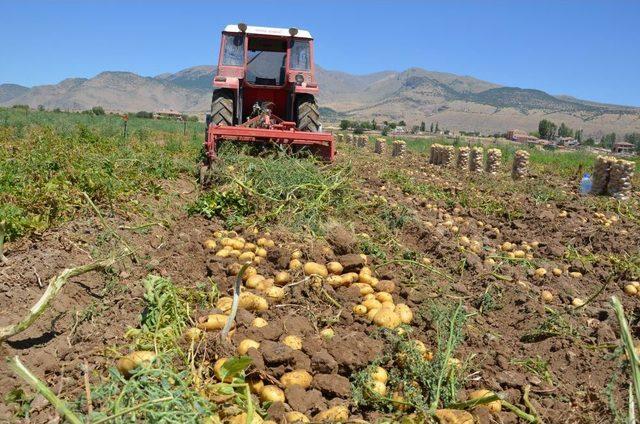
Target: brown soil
(93, 311)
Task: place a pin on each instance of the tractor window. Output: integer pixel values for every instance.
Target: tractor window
(233, 50)
(266, 61)
(300, 55)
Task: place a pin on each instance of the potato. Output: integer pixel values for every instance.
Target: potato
(224, 304)
(365, 270)
(255, 385)
(262, 242)
(282, 278)
(313, 268)
(226, 241)
(349, 277)
(253, 302)
(557, 272)
(295, 264)
(250, 247)
(294, 342)
(242, 419)
(453, 416)
(250, 271)
(223, 253)
(193, 334)
(259, 322)
(371, 313)
(364, 288)
(384, 297)
(246, 257)
(506, 247)
(253, 281)
(365, 279)
(404, 312)
(399, 402)
(296, 378)
(387, 318)
(234, 268)
(577, 302)
(209, 244)
(213, 322)
(546, 296)
(360, 310)
(217, 370)
(327, 333)
(519, 254)
(372, 304)
(295, 417)
(540, 272)
(296, 254)
(130, 362)
(630, 289)
(380, 374)
(426, 261)
(276, 293)
(247, 344)
(336, 414)
(335, 268)
(235, 253)
(493, 406)
(261, 252)
(272, 393)
(335, 280)
(378, 387)
(575, 274)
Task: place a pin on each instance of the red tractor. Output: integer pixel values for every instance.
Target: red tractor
(264, 92)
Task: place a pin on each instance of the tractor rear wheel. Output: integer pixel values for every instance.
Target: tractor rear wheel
(222, 107)
(307, 113)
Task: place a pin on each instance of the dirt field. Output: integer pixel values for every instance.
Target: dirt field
(433, 237)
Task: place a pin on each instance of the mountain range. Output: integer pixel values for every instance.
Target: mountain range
(414, 95)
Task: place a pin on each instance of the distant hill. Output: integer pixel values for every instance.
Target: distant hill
(415, 95)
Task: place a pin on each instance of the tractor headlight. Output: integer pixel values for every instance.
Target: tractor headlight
(299, 79)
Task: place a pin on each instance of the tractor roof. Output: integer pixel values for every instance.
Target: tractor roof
(282, 32)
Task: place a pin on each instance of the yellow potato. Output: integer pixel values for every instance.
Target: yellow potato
(234, 268)
(349, 277)
(372, 304)
(246, 257)
(247, 344)
(575, 274)
(380, 374)
(282, 278)
(296, 254)
(388, 305)
(223, 253)
(255, 385)
(129, 362)
(242, 419)
(213, 322)
(404, 312)
(250, 247)
(364, 288)
(217, 370)
(294, 342)
(360, 310)
(259, 322)
(271, 393)
(226, 241)
(335, 280)
(365, 278)
(387, 318)
(210, 244)
(295, 264)
(193, 334)
(371, 313)
(493, 406)
(335, 268)
(506, 247)
(253, 281)
(295, 417)
(296, 378)
(235, 253)
(378, 387)
(453, 416)
(250, 271)
(252, 302)
(327, 333)
(262, 242)
(336, 414)
(630, 289)
(224, 304)
(261, 252)
(384, 297)
(546, 295)
(313, 268)
(540, 272)
(557, 272)
(276, 293)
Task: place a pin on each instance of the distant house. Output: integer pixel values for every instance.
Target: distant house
(171, 114)
(622, 148)
(519, 135)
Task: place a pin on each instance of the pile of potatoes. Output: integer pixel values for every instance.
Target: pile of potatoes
(602, 219)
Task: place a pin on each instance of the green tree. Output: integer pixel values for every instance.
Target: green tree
(578, 136)
(564, 131)
(437, 124)
(431, 130)
(547, 129)
(633, 138)
(608, 140)
(402, 124)
(97, 110)
(344, 124)
(374, 124)
(40, 108)
(423, 126)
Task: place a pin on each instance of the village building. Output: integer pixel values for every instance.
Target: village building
(622, 148)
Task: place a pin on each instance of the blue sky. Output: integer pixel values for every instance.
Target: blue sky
(588, 49)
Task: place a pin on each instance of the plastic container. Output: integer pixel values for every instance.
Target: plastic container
(585, 184)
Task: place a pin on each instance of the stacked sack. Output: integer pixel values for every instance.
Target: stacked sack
(601, 174)
(399, 148)
(433, 153)
(620, 179)
(475, 159)
(339, 138)
(350, 139)
(494, 157)
(463, 158)
(380, 146)
(448, 155)
(520, 167)
(362, 141)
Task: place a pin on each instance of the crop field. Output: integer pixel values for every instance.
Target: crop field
(375, 289)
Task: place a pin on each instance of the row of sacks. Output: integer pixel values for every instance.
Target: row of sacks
(466, 158)
(612, 176)
(398, 147)
(352, 139)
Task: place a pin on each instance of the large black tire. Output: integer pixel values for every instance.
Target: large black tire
(307, 113)
(222, 107)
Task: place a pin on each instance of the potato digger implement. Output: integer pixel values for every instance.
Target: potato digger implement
(264, 92)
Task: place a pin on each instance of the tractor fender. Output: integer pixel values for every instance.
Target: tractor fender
(226, 82)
